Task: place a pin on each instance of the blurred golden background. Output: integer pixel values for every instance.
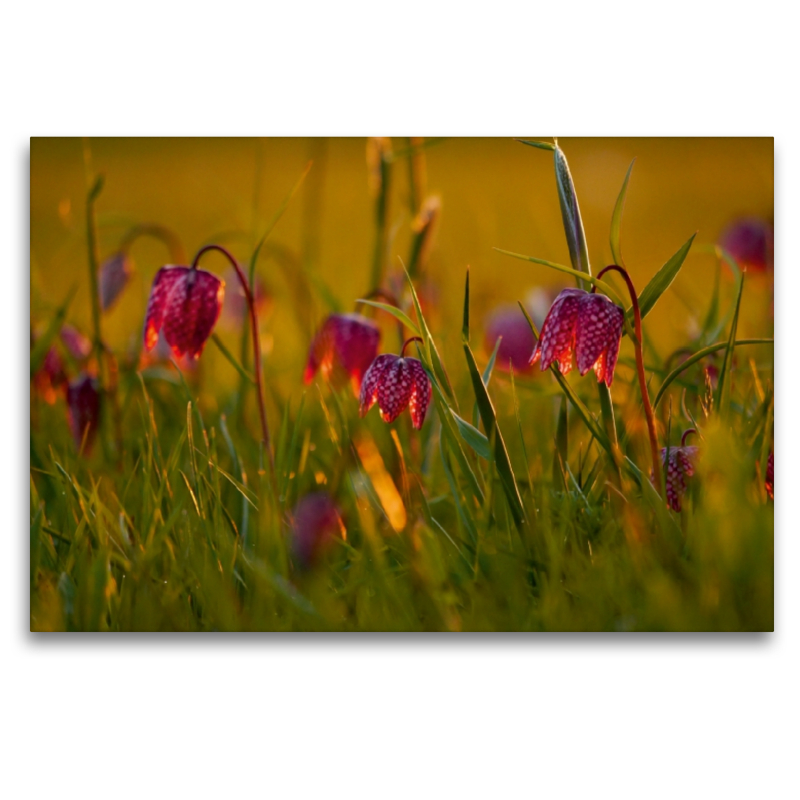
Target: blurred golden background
(494, 193)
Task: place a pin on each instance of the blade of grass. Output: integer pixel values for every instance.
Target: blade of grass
(616, 218)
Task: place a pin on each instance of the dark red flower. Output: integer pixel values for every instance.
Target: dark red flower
(395, 382)
(343, 349)
(517, 340)
(187, 302)
(83, 408)
(588, 324)
(770, 481)
(315, 523)
(113, 277)
(751, 241)
(680, 467)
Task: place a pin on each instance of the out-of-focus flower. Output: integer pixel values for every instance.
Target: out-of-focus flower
(187, 303)
(395, 382)
(78, 345)
(770, 481)
(517, 340)
(315, 523)
(588, 324)
(343, 349)
(680, 467)
(751, 241)
(83, 408)
(234, 309)
(113, 277)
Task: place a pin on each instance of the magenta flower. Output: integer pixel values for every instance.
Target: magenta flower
(770, 481)
(395, 382)
(343, 349)
(77, 344)
(187, 302)
(83, 409)
(751, 241)
(586, 323)
(680, 467)
(315, 523)
(113, 277)
(517, 340)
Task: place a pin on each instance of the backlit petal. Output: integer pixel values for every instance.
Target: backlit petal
(421, 392)
(163, 283)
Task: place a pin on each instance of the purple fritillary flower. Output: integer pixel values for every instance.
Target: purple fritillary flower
(113, 277)
(315, 522)
(751, 241)
(770, 481)
(395, 382)
(83, 409)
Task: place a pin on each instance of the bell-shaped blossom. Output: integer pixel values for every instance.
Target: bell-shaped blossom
(113, 277)
(517, 339)
(769, 483)
(78, 345)
(83, 409)
(234, 309)
(315, 523)
(680, 467)
(394, 383)
(187, 303)
(343, 349)
(588, 325)
(751, 241)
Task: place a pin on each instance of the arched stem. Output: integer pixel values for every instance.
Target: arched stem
(685, 434)
(163, 234)
(648, 408)
(256, 342)
(407, 342)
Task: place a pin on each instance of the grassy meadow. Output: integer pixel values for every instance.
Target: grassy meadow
(524, 502)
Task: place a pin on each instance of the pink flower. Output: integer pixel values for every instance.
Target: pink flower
(77, 344)
(770, 481)
(751, 241)
(395, 382)
(517, 340)
(680, 467)
(83, 408)
(343, 348)
(113, 277)
(234, 309)
(315, 523)
(187, 303)
(588, 324)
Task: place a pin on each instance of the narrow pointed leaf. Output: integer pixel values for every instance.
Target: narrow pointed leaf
(395, 312)
(473, 437)
(616, 218)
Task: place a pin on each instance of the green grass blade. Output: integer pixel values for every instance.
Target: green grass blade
(535, 143)
(42, 345)
(232, 359)
(473, 437)
(616, 218)
(395, 312)
(571, 214)
(723, 390)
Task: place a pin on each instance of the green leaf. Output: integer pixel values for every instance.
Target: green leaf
(473, 437)
(661, 281)
(42, 345)
(535, 143)
(465, 324)
(698, 356)
(395, 312)
(571, 214)
(231, 358)
(616, 218)
(723, 390)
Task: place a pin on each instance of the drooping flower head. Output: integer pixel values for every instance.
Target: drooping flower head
(235, 309)
(394, 383)
(83, 409)
(315, 523)
(680, 467)
(769, 483)
(589, 325)
(113, 277)
(751, 241)
(187, 302)
(343, 349)
(517, 339)
(78, 345)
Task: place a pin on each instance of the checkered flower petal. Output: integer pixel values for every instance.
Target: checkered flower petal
(163, 283)
(394, 389)
(191, 310)
(681, 466)
(344, 347)
(557, 338)
(421, 393)
(770, 481)
(372, 379)
(597, 336)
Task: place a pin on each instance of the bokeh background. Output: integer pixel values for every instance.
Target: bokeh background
(494, 193)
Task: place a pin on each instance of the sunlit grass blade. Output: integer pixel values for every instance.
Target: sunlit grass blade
(399, 315)
(571, 214)
(232, 359)
(473, 437)
(616, 218)
(536, 143)
(724, 385)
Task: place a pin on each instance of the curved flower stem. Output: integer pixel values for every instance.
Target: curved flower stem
(648, 408)
(256, 342)
(408, 342)
(163, 234)
(685, 434)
